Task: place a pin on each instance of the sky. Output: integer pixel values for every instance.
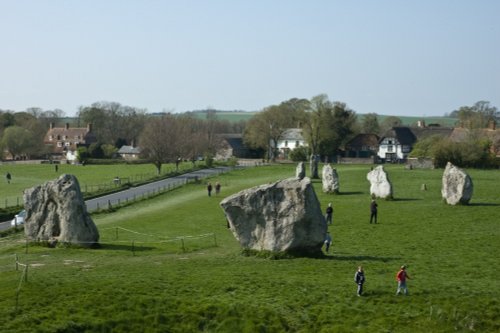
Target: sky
(403, 58)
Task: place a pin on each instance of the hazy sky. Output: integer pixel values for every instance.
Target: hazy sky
(424, 57)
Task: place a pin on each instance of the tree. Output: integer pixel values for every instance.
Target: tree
(477, 116)
(164, 139)
(266, 128)
(18, 141)
(390, 122)
(370, 124)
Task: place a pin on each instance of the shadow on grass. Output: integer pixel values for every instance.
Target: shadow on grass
(351, 193)
(360, 258)
(483, 204)
(406, 199)
(123, 247)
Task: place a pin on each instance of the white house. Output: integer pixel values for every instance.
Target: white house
(396, 144)
(290, 139)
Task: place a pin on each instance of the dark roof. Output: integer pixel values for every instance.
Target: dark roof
(364, 139)
(129, 150)
(425, 132)
(404, 135)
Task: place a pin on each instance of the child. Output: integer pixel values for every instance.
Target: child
(359, 278)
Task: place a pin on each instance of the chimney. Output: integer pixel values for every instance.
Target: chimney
(67, 126)
(89, 127)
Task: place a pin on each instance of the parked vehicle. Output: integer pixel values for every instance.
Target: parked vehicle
(18, 219)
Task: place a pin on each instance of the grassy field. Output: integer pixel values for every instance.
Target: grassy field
(169, 264)
(91, 177)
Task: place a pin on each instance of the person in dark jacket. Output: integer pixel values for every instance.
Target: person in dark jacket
(329, 214)
(209, 189)
(359, 278)
(373, 210)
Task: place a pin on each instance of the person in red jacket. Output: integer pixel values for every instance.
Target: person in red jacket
(401, 277)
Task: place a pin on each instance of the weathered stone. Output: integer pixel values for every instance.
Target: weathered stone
(330, 180)
(283, 216)
(380, 186)
(56, 212)
(300, 171)
(457, 185)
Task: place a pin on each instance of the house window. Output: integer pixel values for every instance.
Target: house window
(65, 137)
(77, 137)
(67, 144)
(390, 148)
(59, 144)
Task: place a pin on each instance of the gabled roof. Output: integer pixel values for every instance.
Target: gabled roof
(364, 139)
(404, 135)
(425, 132)
(129, 150)
(292, 134)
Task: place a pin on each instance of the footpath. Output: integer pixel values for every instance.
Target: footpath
(143, 191)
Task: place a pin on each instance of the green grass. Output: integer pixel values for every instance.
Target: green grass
(143, 281)
(90, 177)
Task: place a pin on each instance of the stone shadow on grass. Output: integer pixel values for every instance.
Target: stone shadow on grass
(350, 193)
(361, 258)
(124, 247)
(483, 204)
(406, 199)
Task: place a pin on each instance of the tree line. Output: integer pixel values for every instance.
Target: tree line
(164, 137)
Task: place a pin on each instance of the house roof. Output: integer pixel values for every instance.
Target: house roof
(404, 135)
(425, 132)
(364, 139)
(129, 150)
(292, 134)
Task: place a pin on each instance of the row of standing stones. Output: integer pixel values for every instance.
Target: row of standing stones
(284, 216)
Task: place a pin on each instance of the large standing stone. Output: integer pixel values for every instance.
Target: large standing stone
(300, 171)
(330, 179)
(283, 216)
(380, 186)
(56, 212)
(457, 185)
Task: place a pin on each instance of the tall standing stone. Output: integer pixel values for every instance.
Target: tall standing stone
(56, 212)
(457, 185)
(283, 216)
(300, 171)
(380, 185)
(330, 180)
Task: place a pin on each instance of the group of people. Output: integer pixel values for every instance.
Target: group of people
(401, 277)
(210, 188)
(373, 212)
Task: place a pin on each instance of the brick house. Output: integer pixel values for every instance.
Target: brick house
(65, 140)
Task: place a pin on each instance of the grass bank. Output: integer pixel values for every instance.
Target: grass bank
(145, 279)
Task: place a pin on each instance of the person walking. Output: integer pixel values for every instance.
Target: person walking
(359, 278)
(209, 189)
(328, 242)
(401, 277)
(8, 176)
(217, 188)
(373, 211)
(329, 214)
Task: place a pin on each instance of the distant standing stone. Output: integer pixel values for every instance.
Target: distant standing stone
(380, 185)
(330, 180)
(457, 186)
(300, 171)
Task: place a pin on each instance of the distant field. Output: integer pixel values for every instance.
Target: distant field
(90, 177)
(169, 264)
